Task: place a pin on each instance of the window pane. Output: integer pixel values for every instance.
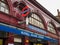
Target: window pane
(41, 25)
(3, 6)
(32, 21)
(32, 15)
(6, 10)
(3, 0)
(51, 28)
(35, 20)
(2, 9)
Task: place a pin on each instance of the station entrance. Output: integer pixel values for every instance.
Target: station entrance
(35, 41)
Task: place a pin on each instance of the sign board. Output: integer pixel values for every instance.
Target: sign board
(50, 39)
(25, 32)
(18, 40)
(25, 11)
(10, 44)
(37, 29)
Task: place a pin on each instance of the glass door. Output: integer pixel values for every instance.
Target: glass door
(1, 41)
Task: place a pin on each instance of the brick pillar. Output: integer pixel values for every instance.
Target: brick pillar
(10, 39)
(48, 43)
(59, 42)
(26, 41)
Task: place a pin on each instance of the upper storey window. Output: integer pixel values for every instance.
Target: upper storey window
(51, 28)
(35, 20)
(4, 6)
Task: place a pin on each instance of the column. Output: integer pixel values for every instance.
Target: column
(10, 39)
(26, 41)
(48, 43)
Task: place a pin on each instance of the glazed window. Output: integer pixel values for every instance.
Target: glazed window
(4, 6)
(51, 28)
(35, 20)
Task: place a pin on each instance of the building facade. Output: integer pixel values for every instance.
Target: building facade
(26, 22)
(58, 17)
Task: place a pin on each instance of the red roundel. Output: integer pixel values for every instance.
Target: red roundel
(26, 13)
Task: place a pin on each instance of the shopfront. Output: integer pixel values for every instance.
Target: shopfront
(19, 39)
(1, 41)
(36, 41)
(53, 43)
(3, 37)
(31, 40)
(27, 37)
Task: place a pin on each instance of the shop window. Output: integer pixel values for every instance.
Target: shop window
(53, 43)
(35, 20)
(51, 28)
(3, 34)
(1, 41)
(4, 6)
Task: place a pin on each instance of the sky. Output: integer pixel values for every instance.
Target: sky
(50, 5)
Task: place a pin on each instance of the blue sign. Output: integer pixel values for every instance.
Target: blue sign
(50, 39)
(41, 36)
(34, 35)
(25, 32)
(37, 29)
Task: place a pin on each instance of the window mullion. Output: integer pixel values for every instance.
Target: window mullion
(4, 7)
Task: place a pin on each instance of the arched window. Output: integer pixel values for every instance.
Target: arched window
(35, 20)
(4, 6)
(51, 28)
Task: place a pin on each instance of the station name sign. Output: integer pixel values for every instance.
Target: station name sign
(37, 29)
(19, 31)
